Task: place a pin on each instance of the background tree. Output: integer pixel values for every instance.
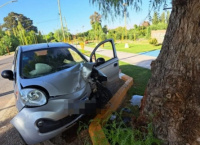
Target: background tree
(159, 23)
(102, 37)
(50, 37)
(8, 42)
(148, 32)
(145, 24)
(105, 29)
(11, 21)
(111, 34)
(172, 97)
(40, 38)
(96, 17)
(155, 19)
(21, 33)
(31, 37)
(162, 18)
(95, 21)
(167, 17)
(58, 35)
(91, 35)
(2, 33)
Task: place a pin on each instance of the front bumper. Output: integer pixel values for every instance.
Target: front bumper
(36, 126)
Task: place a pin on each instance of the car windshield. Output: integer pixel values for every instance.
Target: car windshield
(38, 63)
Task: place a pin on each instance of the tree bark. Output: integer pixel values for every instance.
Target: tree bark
(173, 92)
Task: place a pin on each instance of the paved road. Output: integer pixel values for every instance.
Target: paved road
(131, 58)
(8, 134)
(6, 89)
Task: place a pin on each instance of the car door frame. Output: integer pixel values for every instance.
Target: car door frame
(113, 61)
(102, 42)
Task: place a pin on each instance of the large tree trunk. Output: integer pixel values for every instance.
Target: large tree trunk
(173, 92)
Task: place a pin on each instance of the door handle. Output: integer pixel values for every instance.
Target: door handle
(115, 64)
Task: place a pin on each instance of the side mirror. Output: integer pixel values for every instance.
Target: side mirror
(7, 74)
(100, 61)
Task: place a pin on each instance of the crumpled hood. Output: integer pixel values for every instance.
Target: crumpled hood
(63, 82)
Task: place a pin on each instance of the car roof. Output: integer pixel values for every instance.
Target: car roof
(43, 46)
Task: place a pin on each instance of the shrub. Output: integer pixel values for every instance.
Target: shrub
(153, 41)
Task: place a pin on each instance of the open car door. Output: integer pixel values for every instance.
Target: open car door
(108, 64)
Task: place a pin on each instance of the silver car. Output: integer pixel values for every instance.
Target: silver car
(48, 79)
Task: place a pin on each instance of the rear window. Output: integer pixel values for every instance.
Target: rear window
(46, 61)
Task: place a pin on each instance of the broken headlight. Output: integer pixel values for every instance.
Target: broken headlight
(33, 97)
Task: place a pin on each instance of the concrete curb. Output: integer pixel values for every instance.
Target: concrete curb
(95, 130)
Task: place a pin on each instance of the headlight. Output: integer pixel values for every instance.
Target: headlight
(33, 97)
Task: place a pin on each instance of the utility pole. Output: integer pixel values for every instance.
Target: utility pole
(61, 19)
(126, 44)
(66, 29)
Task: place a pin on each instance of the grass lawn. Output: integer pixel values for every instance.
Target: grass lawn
(140, 77)
(134, 46)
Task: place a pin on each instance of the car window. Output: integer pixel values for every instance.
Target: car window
(42, 62)
(107, 45)
(76, 56)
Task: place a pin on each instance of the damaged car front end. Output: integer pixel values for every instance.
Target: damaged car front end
(53, 88)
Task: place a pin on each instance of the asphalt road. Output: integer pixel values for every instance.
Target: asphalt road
(8, 134)
(6, 86)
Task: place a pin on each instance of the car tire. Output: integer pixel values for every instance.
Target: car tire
(103, 95)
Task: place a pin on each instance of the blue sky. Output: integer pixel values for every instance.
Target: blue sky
(44, 14)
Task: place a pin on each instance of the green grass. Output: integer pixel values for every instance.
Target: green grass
(117, 132)
(134, 47)
(140, 77)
